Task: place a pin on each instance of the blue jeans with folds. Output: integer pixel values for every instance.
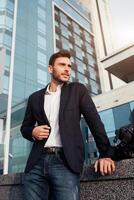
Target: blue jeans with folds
(51, 179)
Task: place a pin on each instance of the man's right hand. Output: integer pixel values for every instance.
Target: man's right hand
(41, 132)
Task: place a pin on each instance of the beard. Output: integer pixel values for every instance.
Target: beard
(57, 77)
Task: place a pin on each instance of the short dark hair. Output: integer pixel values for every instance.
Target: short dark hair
(61, 53)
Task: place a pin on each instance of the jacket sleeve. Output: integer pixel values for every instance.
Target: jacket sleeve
(95, 124)
(28, 123)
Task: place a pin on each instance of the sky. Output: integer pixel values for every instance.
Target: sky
(122, 16)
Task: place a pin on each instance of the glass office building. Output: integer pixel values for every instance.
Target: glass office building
(39, 28)
(43, 27)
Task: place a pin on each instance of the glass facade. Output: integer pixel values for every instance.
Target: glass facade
(113, 119)
(31, 45)
(6, 27)
(73, 35)
(44, 26)
(33, 49)
(36, 30)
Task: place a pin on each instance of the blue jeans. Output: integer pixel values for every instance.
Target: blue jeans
(51, 179)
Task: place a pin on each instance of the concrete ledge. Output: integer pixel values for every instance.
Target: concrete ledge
(119, 186)
(11, 187)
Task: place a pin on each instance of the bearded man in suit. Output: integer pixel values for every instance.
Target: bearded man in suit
(52, 123)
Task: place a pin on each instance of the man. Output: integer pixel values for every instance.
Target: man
(52, 122)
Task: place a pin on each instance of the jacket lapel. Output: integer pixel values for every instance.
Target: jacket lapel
(63, 99)
(41, 105)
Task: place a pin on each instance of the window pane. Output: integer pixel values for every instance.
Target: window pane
(78, 52)
(8, 57)
(65, 43)
(91, 60)
(81, 78)
(76, 28)
(87, 36)
(41, 42)
(80, 66)
(108, 120)
(42, 76)
(64, 31)
(10, 5)
(77, 40)
(89, 48)
(122, 115)
(41, 58)
(132, 111)
(5, 82)
(132, 105)
(73, 73)
(9, 22)
(92, 72)
(1, 37)
(63, 18)
(2, 20)
(7, 40)
(2, 3)
(41, 27)
(41, 13)
(42, 2)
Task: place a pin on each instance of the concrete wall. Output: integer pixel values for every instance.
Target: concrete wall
(119, 186)
(115, 97)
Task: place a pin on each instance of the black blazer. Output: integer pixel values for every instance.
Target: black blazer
(74, 101)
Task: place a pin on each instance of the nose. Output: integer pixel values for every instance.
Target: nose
(67, 68)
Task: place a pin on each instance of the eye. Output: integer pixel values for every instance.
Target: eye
(62, 64)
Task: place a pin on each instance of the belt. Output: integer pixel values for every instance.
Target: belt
(53, 150)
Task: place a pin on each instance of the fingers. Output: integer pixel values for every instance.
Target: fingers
(103, 169)
(113, 166)
(41, 132)
(108, 170)
(105, 166)
(45, 127)
(43, 135)
(96, 166)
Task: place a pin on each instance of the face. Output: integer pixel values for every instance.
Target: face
(61, 70)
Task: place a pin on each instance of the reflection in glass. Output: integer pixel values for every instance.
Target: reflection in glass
(122, 115)
(64, 31)
(108, 120)
(132, 105)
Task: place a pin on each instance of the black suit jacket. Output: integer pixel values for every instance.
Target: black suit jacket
(74, 101)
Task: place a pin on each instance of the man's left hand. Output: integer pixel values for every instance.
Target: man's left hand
(105, 166)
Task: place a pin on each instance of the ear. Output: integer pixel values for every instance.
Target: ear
(50, 69)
